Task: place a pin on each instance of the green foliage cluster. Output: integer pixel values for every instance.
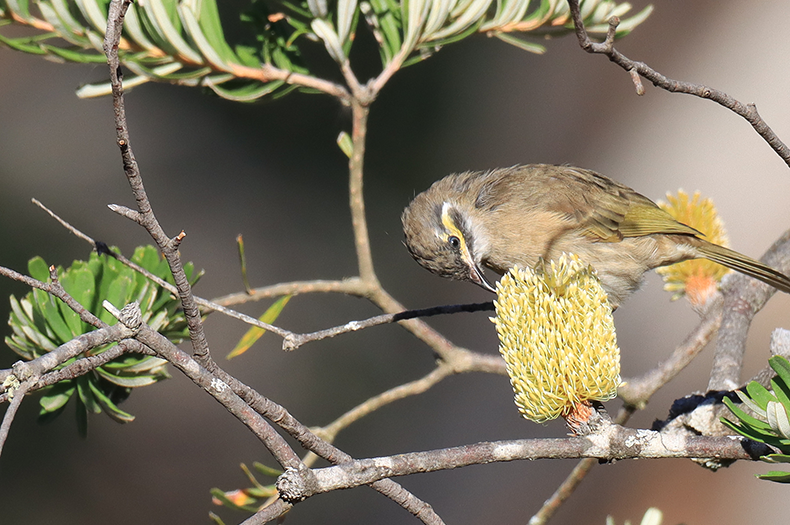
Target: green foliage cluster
(184, 41)
(767, 420)
(40, 323)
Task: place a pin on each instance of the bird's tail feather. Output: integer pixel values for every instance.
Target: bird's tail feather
(746, 265)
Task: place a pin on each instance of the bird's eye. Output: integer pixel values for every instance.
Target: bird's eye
(454, 241)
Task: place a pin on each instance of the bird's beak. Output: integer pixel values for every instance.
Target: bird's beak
(479, 278)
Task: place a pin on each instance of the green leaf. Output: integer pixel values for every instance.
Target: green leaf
(57, 396)
(776, 475)
(759, 394)
(109, 407)
(776, 458)
(120, 291)
(777, 418)
(86, 395)
(38, 269)
(345, 143)
(782, 368)
(219, 56)
(135, 381)
(748, 432)
(93, 12)
(255, 332)
(20, 8)
(243, 262)
(266, 470)
(211, 25)
(216, 519)
(167, 26)
(79, 57)
(780, 390)
(48, 307)
(248, 92)
(745, 417)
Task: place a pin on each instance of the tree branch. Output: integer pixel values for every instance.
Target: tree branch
(743, 298)
(614, 443)
(147, 219)
(18, 395)
(747, 111)
(638, 391)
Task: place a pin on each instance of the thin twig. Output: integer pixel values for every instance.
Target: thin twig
(63, 223)
(356, 200)
(747, 111)
(419, 386)
(294, 341)
(54, 288)
(54, 358)
(350, 286)
(273, 511)
(208, 306)
(8, 417)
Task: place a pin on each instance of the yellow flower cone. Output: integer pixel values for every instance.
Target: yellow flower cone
(557, 337)
(697, 279)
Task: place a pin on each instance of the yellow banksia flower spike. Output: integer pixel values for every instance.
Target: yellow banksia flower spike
(557, 337)
(697, 279)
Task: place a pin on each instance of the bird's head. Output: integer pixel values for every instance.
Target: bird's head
(442, 236)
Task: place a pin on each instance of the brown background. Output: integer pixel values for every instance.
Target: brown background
(271, 171)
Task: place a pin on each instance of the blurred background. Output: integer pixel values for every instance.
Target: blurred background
(272, 171)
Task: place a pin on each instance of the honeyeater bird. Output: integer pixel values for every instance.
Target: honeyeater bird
(517, 216)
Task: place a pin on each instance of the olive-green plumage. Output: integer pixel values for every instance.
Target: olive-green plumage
(516, 216)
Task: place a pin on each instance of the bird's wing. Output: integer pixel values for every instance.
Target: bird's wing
(609, 211)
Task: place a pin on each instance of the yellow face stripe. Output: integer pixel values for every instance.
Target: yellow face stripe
(452, 229)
